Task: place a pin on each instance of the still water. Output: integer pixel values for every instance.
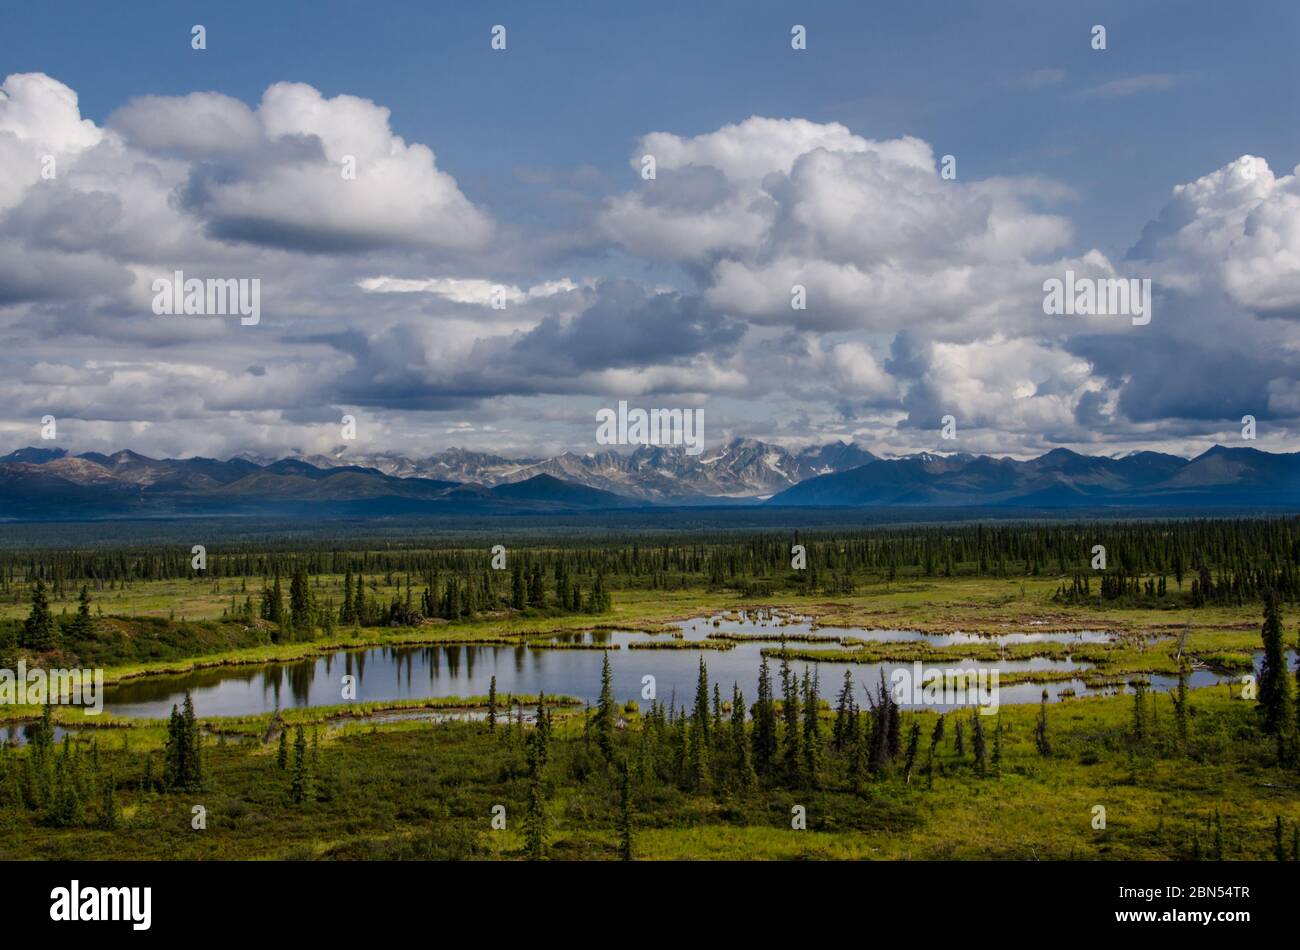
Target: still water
(399, 673)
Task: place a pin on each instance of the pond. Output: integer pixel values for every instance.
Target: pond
(403, 673)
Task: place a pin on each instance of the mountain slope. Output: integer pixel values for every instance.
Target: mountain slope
(742, 469)
(1221, 476)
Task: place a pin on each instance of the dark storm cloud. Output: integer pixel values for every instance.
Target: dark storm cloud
(627, 326)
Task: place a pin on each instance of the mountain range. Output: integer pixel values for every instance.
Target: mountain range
(50, 484)
(741, 470)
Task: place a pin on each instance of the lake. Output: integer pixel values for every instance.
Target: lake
(417, 672)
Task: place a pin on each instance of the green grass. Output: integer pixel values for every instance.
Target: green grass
(416, 790)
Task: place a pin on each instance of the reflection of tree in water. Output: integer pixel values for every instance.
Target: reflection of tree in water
(271, 680)
(159, 688)
(300, 676)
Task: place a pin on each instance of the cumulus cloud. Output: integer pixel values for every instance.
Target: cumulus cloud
(276, 175)
(923, 295)
(872, 231)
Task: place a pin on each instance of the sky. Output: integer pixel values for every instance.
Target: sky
(127, 155)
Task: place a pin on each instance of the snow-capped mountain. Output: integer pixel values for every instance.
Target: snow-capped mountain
(741, 469)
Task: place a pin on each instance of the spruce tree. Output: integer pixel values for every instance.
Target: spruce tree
(845, 715)
(763, 734)
(1276, 695)
(40, 632)
(1041, 740)
(347, 612)
(83, 625)
(936, 736)
(811, 731)
(302, 613)
(1140, 727)
(192, 776)
(745, 775)
(359, 614)
(913, 746)
(791, 757)
(492, 705)
(979, 744)
(518, 591)
(698, 767)
(535, 819)
(606, 710)
(298, 788)
(536, 590)
(1181, 710)
(625, 813)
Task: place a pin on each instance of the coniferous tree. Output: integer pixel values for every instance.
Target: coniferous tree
(913, 746)
(811, 731)
(745, 774)
(282, 755)
(845, 716)
(347, 613)
(936, 736)
(606, 710)
(535, 819)
(518, 590)
(301, 611)
(763, 734)
(110, 813)
(701, 711)
(193, 777)
(698, 766)
(536, 590)
(492, 705)
(83, 625)
(40, 632)
(1276, 698)
(979, 744)
(791, 757)
(625, 813)
(1181, 710)
(1140, 727)
(1041, 740)
(359, 615)
(301, 781)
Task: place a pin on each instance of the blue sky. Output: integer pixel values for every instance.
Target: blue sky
(539, 139)
(583, 80)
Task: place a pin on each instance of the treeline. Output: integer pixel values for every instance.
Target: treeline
(1228, 588)
(448, 598)
(1178, 549)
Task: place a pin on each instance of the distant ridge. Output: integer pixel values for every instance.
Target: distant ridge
(49, 484)
(1059, 479)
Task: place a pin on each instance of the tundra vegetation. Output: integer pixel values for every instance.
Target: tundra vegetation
(803, 768)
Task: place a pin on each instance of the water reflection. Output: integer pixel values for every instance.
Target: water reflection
(401, 673)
